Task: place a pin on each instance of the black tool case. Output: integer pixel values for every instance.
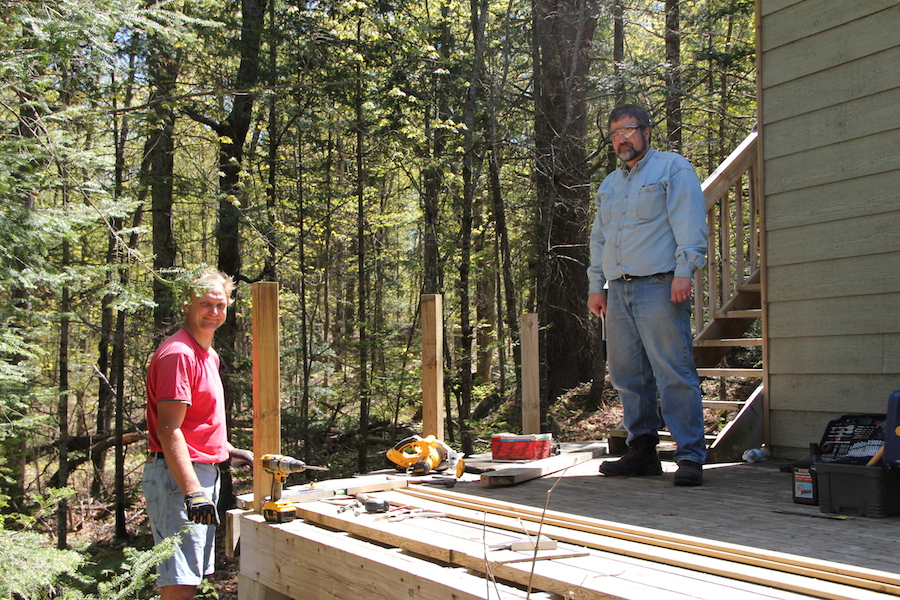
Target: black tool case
(845, 484)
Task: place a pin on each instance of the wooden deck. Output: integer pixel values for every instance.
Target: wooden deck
(747, 504)
(705, 536)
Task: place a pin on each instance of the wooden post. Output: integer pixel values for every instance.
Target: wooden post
(531, 382)
(432, 365)
(266, 385)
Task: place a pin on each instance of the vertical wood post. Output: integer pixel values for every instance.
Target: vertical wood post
(531, 382)
(432, 365)
(266, 385)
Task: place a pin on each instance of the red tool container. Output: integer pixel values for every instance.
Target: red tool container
(508, 446)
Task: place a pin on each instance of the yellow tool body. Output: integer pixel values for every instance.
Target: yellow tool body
(276, 510)
(419, 456)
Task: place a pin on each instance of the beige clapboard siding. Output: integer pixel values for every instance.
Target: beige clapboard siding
(832, 125)
(832, 390)
(846, 315)
(771, 6)
(848, 355)
(838, 200)
(830, 48)
(790, 20)
(867, 235)
(845, 82)
(856, 276)
(820, 166)
(830, 87)
(798, 428)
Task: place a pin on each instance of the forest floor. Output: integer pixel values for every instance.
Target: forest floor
(572, 420)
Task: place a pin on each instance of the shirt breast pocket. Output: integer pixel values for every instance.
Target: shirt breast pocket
(651, 202)
(605, 201)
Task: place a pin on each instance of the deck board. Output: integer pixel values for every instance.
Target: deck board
(747, 504)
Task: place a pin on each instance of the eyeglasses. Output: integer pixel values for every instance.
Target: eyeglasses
(623, 133)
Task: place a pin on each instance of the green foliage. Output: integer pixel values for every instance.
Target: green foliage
(366, 96)
(32, 566)
(34, 569)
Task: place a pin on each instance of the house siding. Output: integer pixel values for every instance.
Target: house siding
(830, 116)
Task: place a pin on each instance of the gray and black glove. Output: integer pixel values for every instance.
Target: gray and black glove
(240, 458)
(200, 509)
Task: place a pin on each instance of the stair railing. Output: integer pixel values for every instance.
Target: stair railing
(733, 198)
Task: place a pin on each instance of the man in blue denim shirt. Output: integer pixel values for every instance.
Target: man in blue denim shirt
(648, 238)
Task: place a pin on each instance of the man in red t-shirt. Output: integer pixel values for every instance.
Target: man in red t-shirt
(186, 427)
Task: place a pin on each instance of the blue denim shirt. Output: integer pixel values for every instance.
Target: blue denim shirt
(650, 219)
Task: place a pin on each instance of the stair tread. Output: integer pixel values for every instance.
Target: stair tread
(724, 403)
(729, 372)
(747, 313)
(730, 342)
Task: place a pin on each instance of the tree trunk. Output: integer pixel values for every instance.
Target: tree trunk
(159, 149)
(362, 282)
(63, 404)
(306, 365)
(618, 11)
(674, 129)
(562, 31)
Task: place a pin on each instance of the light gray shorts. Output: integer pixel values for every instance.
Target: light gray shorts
(165, 508)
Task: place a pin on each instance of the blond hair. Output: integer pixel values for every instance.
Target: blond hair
(206, 280)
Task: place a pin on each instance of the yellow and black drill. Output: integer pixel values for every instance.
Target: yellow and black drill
(276, 510)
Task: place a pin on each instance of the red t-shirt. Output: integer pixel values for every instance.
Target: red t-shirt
(182, 371)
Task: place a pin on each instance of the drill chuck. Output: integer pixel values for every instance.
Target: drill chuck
(280, 464)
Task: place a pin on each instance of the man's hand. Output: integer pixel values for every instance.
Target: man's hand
(681, 288)
(200, 508)
(597, 303)
(240, 458)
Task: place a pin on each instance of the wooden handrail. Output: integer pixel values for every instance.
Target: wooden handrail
(737, 163)
(733, 199)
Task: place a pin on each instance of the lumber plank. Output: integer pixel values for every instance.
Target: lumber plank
(879, 580)
(558, 573)
(531, 384)
(303, 561)
(432, 365)
(717, 561)
(535, 469)
(233, 532)
(320, 490)
(266, 380)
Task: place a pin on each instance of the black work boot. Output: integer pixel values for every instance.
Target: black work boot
(640, 460)
(689, 473)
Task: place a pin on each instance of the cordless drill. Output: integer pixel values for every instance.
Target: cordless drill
(276, 510)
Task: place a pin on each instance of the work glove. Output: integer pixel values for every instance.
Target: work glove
(200, 509)
(240, 458)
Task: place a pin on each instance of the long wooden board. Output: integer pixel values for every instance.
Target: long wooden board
(871, 579)
(321, 490)
(569, 571)
(537, 468)
(596, 559)
(819, 578)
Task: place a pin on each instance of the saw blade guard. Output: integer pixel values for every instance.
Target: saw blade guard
(416, 451)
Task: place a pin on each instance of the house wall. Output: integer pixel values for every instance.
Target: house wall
(830, 113)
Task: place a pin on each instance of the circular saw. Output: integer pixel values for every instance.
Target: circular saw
(420, 456)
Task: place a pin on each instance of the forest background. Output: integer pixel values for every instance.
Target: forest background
(358, 153)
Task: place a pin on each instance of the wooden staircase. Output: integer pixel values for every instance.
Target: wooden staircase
(734, 218)
(722, 334)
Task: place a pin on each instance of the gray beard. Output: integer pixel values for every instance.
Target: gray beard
(626, 153)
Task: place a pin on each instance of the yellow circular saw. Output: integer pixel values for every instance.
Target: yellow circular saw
(419, 456)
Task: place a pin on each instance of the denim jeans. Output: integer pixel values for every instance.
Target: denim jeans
(651, 363)
(195, 556)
